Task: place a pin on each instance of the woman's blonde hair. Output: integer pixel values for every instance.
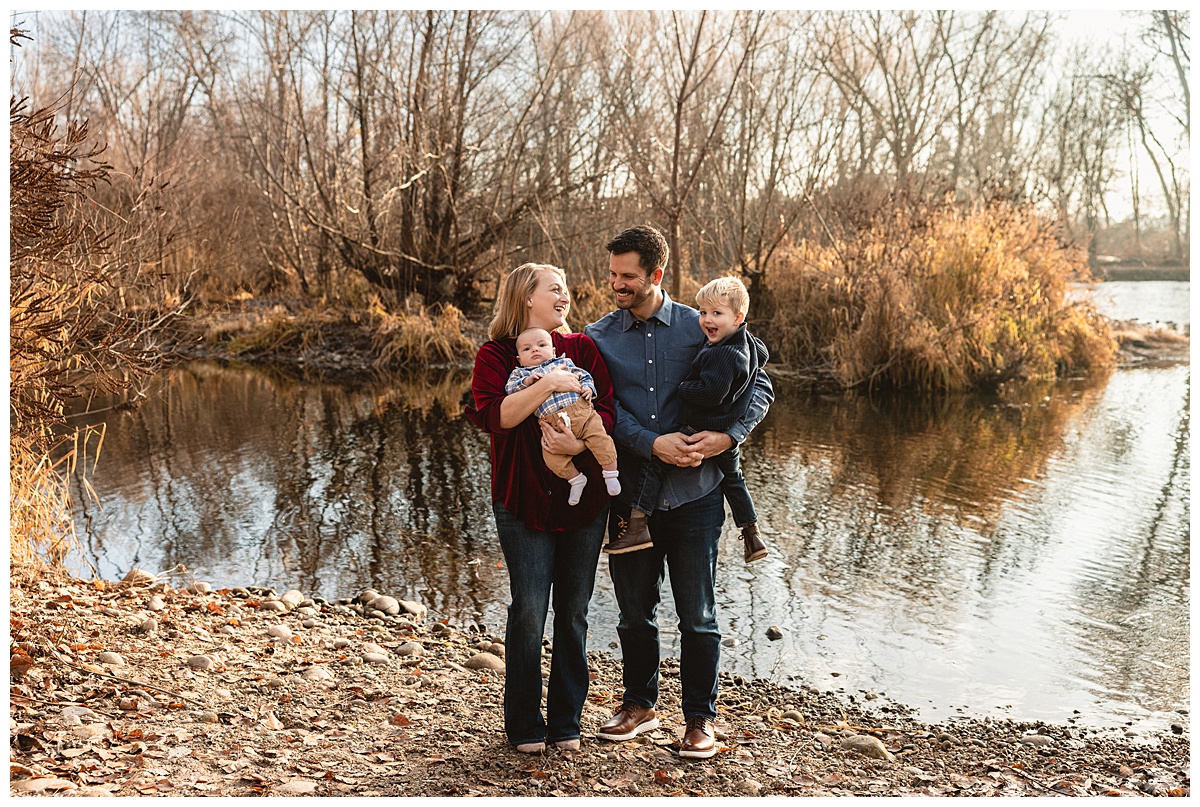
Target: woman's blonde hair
(512, 313)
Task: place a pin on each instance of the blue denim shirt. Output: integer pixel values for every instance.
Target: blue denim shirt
(647, 361)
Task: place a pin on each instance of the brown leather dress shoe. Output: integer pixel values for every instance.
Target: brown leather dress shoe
(753, 545)
(634, 535)
(700, 738)
(629, 721)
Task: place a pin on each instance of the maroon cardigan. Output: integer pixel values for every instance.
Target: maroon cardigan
(520, 479)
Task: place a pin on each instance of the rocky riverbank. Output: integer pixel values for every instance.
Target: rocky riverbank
(162, 686)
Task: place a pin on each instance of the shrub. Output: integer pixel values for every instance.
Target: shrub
(937, 298)
(424, 336)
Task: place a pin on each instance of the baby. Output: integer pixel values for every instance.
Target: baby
(715, 394)
(535, 354)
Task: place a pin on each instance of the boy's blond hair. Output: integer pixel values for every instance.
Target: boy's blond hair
(730, 291)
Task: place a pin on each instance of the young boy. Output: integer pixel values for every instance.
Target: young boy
(535, 353)
(714, 395)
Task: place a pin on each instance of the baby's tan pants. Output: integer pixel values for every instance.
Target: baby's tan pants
(588, 427)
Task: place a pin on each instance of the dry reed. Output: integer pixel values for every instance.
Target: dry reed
(424, 336)
(938, 299)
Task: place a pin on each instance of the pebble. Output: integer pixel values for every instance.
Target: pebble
(111, 658)
(309, 623)
(371, 647)
(496, 649)
(201, 662)
(415, 608)
(306, 611)
(156, 603)
(109, 611)
(868, 746)
(774, 633)
(730, 641)
(139, 577)
(1177, 728)
(367, 596)
(317, 673)
(388, 605)
(824, 739)
(272, 605)
(410, 649)
(484, 661)
(374, 658)
(209, 717)
(793, 715)
(1039, 740)
(228, 630)
(281, 632)
(223, 694)
(291, 598)
(128, 704)
(341, 644)
(80, 713)
(297, 787)
(199, 588)
(751, 787)
(148, 625)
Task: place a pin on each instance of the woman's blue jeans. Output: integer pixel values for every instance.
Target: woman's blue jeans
(686, 538)
(541, 565)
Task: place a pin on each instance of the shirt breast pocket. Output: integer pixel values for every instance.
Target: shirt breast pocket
(678, 363)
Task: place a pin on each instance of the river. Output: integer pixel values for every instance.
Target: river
(1023, 557)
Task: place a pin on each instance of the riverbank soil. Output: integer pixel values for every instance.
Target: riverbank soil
(145, 687)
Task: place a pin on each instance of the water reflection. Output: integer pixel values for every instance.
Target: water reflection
(969, 554)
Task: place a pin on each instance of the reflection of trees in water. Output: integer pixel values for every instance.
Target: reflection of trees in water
(902, 481)
(328, 487)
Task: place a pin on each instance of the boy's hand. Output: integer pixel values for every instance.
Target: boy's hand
(587, 394)
(561, 380)
(710, 444)
(532, 379)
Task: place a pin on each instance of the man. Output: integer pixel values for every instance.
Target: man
(648, 344)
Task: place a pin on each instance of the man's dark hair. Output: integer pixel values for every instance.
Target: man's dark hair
(647, 242)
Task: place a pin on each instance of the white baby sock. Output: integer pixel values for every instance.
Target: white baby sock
(576, 483)
(610, 482)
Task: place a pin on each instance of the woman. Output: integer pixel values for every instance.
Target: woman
(551, 549)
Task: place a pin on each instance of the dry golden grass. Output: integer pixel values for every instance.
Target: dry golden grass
(41, 529)
(940, 299)
(423, 336)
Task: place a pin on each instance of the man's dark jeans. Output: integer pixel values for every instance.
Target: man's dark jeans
(686, 538)
(541, 564)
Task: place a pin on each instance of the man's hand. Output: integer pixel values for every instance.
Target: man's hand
(674, 449)
(560, 442)
(709, 444)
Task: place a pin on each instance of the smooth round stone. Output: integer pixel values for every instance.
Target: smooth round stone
(368, 595)
(410, 649)
(109, 611)
(223, 694)
(199, 588)
(201, 662)
(89, 732)
(1039, 740)
(868, 746)
(156, 603)
(297, 787)
(371, 647)
(148, 625)
(272, 605)
(374, 658)
(209, 717)
(774, 633)
(484, 661)
(139, 577)
(227, 629)
(496, 649)
(793, 715)
(291, 598)
(111, 658)
(341, 644)
(415, 608)
(309, 623)
(306, 610)
(388, 605)
(282, 632)
(730, 641)
(81, 713)
(317, 673)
